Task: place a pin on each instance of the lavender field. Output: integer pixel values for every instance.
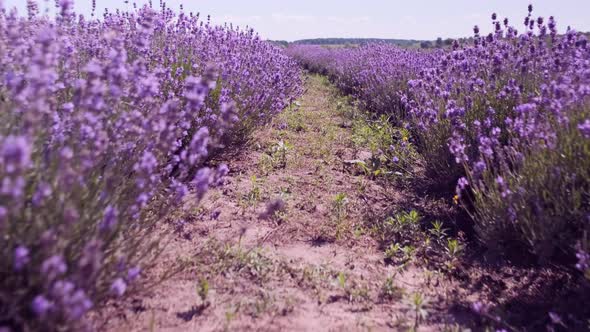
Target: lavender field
(162, 172)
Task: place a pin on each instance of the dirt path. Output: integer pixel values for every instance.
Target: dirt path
(311, 266)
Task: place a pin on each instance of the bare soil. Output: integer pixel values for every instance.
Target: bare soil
(316, 265)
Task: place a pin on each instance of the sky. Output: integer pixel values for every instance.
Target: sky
(403, 19)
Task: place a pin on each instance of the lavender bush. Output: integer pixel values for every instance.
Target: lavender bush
(506, 119)
(106, 125)
(511, 111)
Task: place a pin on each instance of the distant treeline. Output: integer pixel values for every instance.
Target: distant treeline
(439, 43)
(356, 41)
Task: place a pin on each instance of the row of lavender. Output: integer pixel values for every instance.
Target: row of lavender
(106, 125)
(505, 119)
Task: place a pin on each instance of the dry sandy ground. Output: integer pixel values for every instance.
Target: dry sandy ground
(315, 265)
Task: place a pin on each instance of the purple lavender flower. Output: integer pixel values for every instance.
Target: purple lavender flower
(221, 173)
(91, 259)
(457, 148)
(526, 108)
(180, 190)
(195, 92)
(43, 191)
(32, 9)
(13, 186)
(229, 113)
(53, 267)
(584, 128)
(583, 260)
(41, 305)
(146, 164)
(486, 146)
(71, 215)
(15, 154)
(198, 145)
(556, 319)
(77, 305)
(133, 273)
(62, 290)
(479, 167)
(118, 287)
(3, 215)
(512, 216)
(21, 258)
(504, 190)
(479, 307)
(109, 220)
(463, 183)
(202, 181)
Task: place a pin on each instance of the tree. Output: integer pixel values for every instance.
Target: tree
(426, 44)
(439, 42)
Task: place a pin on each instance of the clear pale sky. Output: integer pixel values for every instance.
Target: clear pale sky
(408, 19)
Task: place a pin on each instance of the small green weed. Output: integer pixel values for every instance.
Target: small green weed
(339, 206)
(274, 158)
(203, 290)
(418, 304)
(389, 291)
(253, 196)
(393, 154)
(400, 228)
(438, 231)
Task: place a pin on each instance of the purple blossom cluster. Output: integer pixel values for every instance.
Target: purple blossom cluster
(583, 262)
(106, 125)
